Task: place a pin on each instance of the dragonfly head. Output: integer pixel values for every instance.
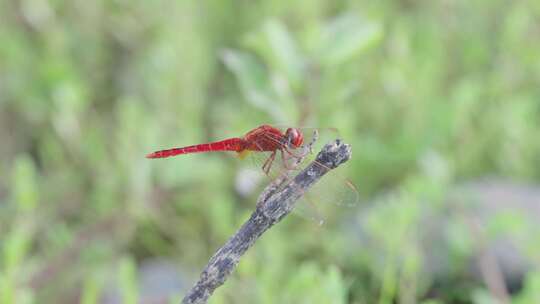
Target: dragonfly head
(294, 137)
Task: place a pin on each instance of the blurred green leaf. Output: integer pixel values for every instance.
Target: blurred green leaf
(335, 285)
(128, 281)
(253, 80)
(301, 287)
(15, 248)
(259, 86)
(511, 223)
(7, 289)
(284, 52)
(531, 290)
(482, 296)
(460, 239)
(91, 291)
(25, 183)
(347, 36)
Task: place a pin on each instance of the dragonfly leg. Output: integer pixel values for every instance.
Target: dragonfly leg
(297, 155)
(312, 142)
(268, 163)
(285, 158)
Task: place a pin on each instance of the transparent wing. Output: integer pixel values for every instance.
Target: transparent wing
(329, 197)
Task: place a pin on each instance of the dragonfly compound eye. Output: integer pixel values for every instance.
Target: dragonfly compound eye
(296, 137)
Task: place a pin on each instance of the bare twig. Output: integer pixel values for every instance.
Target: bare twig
(276, 201)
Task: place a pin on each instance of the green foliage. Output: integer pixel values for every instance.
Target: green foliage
(128, 281)
(24, 186)
(429, 94)
(531, 291)
(91, 290)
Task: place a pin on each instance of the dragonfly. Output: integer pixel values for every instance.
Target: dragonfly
(266, 142)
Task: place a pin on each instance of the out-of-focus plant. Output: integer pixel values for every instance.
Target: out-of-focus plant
(428, 94)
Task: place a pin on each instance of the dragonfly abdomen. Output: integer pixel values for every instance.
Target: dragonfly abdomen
(231, 144)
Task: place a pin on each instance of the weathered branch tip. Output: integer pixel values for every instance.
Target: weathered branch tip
(334, 154)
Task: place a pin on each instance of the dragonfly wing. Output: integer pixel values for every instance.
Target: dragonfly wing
(327, 200)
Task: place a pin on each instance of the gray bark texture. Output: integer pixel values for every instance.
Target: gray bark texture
(274, 203)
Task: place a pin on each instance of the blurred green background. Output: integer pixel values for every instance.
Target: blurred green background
(439, 100)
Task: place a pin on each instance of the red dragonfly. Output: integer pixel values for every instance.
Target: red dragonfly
(264, 138)
(291, 146)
